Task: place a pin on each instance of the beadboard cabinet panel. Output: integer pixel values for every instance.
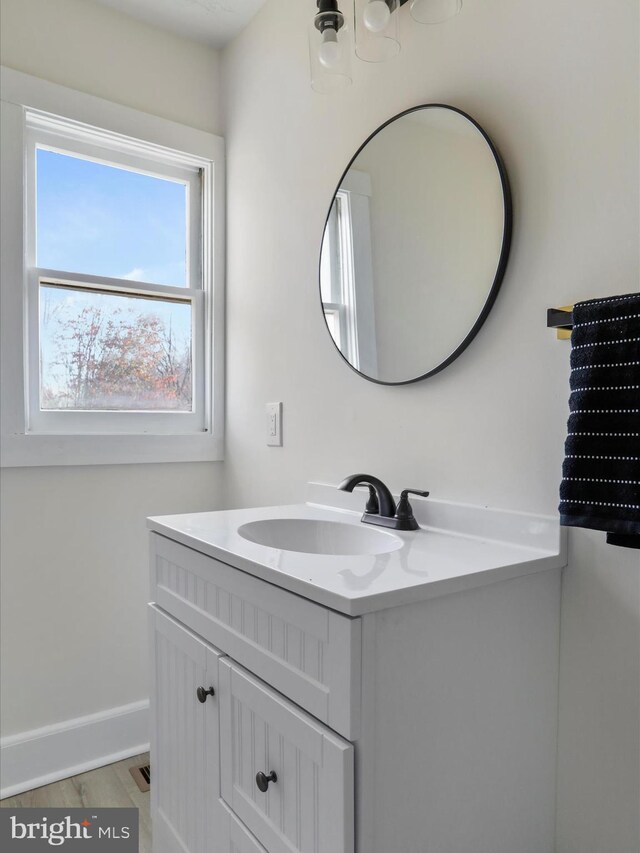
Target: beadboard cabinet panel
(308, 652)
(185, 789)
(308, 808)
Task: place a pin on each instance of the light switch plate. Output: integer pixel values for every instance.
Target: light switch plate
(274, 424)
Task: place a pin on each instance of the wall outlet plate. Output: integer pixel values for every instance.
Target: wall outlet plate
(274, 424)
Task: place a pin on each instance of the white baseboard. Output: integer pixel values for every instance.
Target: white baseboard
(35, 758)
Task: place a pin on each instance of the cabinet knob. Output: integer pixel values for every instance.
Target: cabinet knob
(202, 694)
(262, 781)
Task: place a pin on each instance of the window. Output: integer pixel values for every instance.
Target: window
(346, 273)
(115, 294)
(122, 305)
(336, 278)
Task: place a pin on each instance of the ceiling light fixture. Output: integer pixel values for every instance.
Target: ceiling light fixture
(376, 35)
(376, 29)
(329, 48)
(434, 11)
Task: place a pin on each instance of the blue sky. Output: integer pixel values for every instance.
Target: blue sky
(106, 221)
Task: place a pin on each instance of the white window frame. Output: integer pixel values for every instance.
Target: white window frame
(339, 239)
(349, 243)
(99, 130)
(52, 134)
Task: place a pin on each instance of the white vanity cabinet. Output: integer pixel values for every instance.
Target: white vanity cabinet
(206, 756)
(423, 727)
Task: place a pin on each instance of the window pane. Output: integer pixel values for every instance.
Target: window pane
(101, 350)
(101, 220)
(333, 323)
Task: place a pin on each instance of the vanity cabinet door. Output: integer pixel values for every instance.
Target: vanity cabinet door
(240, 839)
(303, 800)
(185, 767)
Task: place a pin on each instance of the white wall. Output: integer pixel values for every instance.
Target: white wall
(74, 545)
(90, 47)
(75, 583)
(556, 86)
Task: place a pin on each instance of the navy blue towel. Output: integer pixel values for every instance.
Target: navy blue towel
(601, 472)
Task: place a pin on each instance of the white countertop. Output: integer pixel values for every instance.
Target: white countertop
(440, 558)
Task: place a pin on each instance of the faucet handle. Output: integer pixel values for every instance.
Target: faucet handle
(404, 513)
(373, 505)
(405, 492)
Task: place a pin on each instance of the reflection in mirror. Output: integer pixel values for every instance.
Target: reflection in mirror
(414, 245)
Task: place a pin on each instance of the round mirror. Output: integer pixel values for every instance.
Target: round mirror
(415, 245)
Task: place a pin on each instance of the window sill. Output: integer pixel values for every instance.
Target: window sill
(31, 450)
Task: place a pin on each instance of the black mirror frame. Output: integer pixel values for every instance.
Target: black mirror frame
(504, 250)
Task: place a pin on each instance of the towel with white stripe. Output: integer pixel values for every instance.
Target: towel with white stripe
(601, 472)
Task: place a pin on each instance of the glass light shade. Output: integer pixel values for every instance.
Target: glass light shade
(376, 29)
(329, 54)
(434, 11)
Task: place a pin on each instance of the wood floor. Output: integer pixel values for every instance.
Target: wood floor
(105, 787)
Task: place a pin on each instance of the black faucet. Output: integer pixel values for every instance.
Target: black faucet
(381, 508)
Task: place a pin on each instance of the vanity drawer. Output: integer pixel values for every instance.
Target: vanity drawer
(308, 806)
(306, 651)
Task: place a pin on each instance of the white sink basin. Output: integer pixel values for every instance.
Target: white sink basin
(312, 536)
